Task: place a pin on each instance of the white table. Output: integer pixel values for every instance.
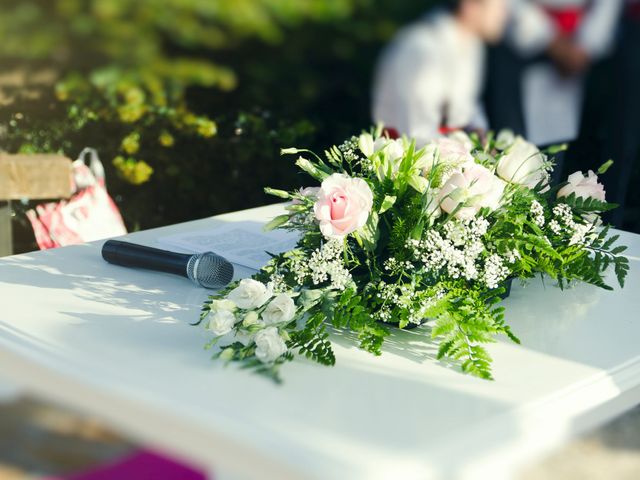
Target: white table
(117, 343)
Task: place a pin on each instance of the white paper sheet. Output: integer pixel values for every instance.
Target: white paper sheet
(242, 243)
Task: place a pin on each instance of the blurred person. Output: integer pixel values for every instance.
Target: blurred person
(622, 139)
(428, 80)
(536, 76)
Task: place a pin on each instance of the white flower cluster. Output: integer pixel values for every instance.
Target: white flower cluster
(537, 211)
(392, 264)
(580, 233)
(563, 222)
(459, 250)
(512, 256)
(253, 305)
(495, 271)
(406, 297)
(350, 149)
(325, 264)
(555, 227)
(277, 283)
(392, 295)
(466, 231)
(563, 213)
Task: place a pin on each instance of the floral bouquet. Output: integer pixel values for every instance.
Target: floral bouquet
(397, 236)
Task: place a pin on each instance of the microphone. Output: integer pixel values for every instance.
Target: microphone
(206, 269)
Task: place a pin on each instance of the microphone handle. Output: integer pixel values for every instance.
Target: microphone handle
(132, 255)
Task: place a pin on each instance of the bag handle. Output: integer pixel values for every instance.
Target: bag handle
(95, 165)
(85, 177)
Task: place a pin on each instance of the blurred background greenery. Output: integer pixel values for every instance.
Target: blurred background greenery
(188, 101)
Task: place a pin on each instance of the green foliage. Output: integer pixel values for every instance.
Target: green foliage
(467, 319)
(219, 87)
(409, 263)
(590, 268)
(351, 313)
(582, 205)
(312, 341)
(112, 62)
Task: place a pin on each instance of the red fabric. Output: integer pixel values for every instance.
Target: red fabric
(40, 231)
(141, 465)
(391, 132)
(633, 11)
(567, 20)
(446, 130)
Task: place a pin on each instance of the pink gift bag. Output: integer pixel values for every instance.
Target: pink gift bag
(90, 214)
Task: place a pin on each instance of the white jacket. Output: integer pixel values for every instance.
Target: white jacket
(430, 71)
(552, 103)
(532, 30)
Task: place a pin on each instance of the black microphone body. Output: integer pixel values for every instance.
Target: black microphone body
(138, 256)
(205, 269)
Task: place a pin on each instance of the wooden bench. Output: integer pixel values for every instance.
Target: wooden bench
(33, 177)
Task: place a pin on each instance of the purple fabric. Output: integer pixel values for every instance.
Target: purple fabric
(141, 465)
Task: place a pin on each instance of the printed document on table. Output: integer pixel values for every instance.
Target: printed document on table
(242, 243)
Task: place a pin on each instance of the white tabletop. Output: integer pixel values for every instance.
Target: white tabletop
(117, 343)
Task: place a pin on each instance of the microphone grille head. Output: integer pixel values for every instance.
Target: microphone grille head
(209, 270)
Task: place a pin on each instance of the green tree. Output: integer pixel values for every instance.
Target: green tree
(175, 94)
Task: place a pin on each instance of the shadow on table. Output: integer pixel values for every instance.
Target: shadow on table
(415, 345)
(82, 290)
(589, 327)
(132, 298)
(582, 324)
(572, 323)
(106, 315)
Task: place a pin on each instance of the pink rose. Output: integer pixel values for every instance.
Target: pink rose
(343, 205)
(469, 190)
(583, 186)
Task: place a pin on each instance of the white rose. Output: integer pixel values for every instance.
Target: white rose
(494, 198)
(224, 304)
(452, 153)
(251, 318)
(462, 137)
(392, 149)
(280, 309)
(226, 354)
(522, 163)
(583, 186)
(505, 139)
(469, 190)
(245, 338)
(269, 345)
(311, 192)
(249, 294)
(221, 322)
